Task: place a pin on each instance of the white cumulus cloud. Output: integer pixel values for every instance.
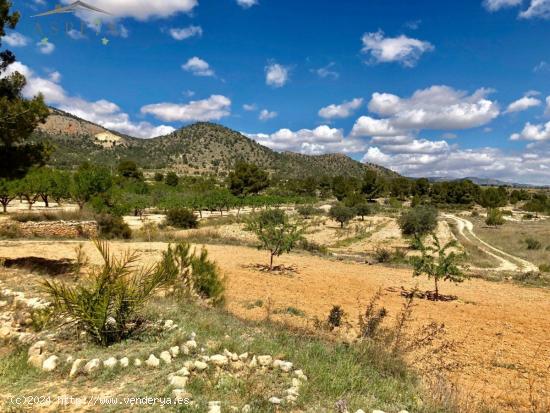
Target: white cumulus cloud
(45, 47)
(186, 32)
(342, 110)
(494, 5)
(276, 75)
(523, 104)
(530, 132)
(266, 114)
(245, 4)
(198, 67)
(15, 39)
(213, 108)
(401, 49)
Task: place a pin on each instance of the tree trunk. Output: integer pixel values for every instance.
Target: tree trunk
(46, 200)
(4, 207)
(342, 224)
(436, 289)
(271, 262)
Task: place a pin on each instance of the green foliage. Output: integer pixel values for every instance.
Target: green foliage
(194, 274)
(400, 188)
(494, 217)
(129, 169)
(275, 232)
(418, 221)
(493, 197)
(437, 263)
(342, 214)
(362, 210)
(8, 191)
(181, 218)
(19, 117)
(335, 317)
(159, 177)
(113, 227)
(89, 181)
(343, 186)
(247, 179)
(371, 319)
(107, 304)
(373, 185)
(307, 211)
(540, 203)
(171, 179)
(463, 192)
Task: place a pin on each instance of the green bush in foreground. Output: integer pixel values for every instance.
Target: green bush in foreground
(494, 217)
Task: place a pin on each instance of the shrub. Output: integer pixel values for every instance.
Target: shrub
(363, 210)
(181, 218)
(342, 214)
(171, 179)
(112, 227)
(335, 317)
(382, 255)
(494, 217)
(307, 211)
(371, 319)
(528, 216)
(544, 268)
(418, 221)
(107, 304)
(533, 244)
(10, 230)
(159, 177)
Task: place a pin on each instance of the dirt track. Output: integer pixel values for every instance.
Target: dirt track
(507, 261)
(503, 327)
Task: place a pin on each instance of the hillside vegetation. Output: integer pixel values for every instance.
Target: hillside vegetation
(201, 148)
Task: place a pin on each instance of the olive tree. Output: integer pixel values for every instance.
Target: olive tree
(342, 214)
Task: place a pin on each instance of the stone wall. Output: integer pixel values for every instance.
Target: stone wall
(56, 229)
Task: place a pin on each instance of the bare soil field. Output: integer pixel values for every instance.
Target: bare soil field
(503, 329)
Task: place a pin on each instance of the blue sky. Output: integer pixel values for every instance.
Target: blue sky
(427, 88)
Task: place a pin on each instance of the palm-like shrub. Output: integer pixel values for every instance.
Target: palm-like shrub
(107, 303)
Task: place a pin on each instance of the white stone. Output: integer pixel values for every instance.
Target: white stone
(219, 360)
(362, 411)
(277, 363)
(124, 362)
(296, 382)
(37, 348)
(169, 324)
(291, 398)
(92, 365)
(137, 362)
(189, 365)
(214, 407)
(174, 351)
(193, 336)
(374, 411)
(293, 391)
(50, 364)
(178, 382)
(200, 365)
(265, 360)
(191, 344)
(237, 365)
(253, 363)
(166, 357)
(275, 400)
(286, 366)
(403, 411)
(184, 349)
(243, 357)
(300, 374)
(69, 359)
(180, 394)
(152, 361)
(184, 371)
(246, 409)
(110, 362)
(37, 360)
(75, 367)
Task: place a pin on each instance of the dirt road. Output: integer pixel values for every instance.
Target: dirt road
(508, 262)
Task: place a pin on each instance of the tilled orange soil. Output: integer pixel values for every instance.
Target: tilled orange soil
(504, 328)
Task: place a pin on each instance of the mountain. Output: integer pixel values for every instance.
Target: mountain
(484, 182)
(201, 148)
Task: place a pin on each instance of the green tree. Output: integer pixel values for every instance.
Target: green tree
(343, 186)
(8, 192)
(493, 198)
(275, 232)
(418, 221)
(438, 263)
(129, 169)
(60, 185)
(90, 181)
(19, 117)
(171, 179)
(372, 185)
(29, 187)
(342, 214)
(363, 210)
(247, 179)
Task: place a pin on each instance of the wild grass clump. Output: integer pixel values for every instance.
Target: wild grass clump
(49, 216)
(533, 244)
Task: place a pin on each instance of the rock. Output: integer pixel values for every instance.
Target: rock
(277, 363)
(200, 365)
(237, 365)
(69, 359)
(137, 362)
(181, 394)
(184, 349)
(178, 382)
(403, 411)
(152, 361)
(110, 362)
(293, 391)
(166, 357)
(50, 364)
(193, 336)
(265, 360)
(230, 355)
(362, 411)
(189, 365)
(300, 374)
(37, 348)
(191, 344)
(214, 407)
(169, 325)
(184, 371)
(75, 367)
(275, 400)
(253, 363)
(219, 360)
(92, 366)
(243, 357)
(37, 360)
(174, 351)
(296, 382)
(124, 362)
(3, 304)
(246, 409)
(5, 333)
(291, 398)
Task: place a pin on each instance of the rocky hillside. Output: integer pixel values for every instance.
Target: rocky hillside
(196, 149)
